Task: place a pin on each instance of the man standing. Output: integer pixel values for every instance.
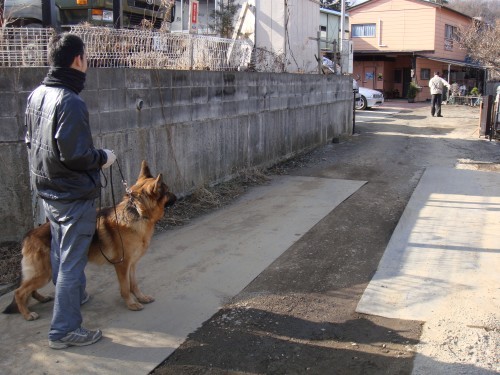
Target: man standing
(436, 84)
(65, 169)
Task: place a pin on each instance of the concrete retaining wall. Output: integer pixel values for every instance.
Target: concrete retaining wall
(195, 127)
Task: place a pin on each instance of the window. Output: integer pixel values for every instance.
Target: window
(363, 30)
(425, 73)
(449, 35)
(450, 31)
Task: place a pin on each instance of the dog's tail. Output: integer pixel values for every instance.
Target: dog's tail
(12, 308)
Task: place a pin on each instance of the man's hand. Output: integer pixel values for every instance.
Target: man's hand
(111, 158)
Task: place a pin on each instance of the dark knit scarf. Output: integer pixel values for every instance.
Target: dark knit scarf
(68, 77)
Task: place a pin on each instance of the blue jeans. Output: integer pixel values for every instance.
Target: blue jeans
(72, 226)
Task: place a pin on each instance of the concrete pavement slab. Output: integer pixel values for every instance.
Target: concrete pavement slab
(191, 271)
(444, 254)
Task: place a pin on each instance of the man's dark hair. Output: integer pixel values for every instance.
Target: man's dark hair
(63, 48)
(436, 73)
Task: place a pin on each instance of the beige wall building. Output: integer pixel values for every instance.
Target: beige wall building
(397, 41)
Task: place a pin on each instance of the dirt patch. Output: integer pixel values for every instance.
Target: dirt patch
(478, 166)
(10, 262)
(205, 199)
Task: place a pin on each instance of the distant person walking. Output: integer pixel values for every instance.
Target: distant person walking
(437, 84)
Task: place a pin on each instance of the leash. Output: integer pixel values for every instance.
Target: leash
(127, 189)
(124, 182)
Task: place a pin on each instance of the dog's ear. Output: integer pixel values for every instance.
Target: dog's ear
(145, 172)
(158, 182)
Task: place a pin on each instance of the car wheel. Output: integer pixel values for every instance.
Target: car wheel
(361, 103)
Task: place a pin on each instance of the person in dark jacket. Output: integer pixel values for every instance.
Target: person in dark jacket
(65, 169)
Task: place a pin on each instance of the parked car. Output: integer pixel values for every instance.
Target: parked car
(368, 98)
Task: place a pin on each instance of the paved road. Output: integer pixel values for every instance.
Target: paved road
(375, 114)
(386, 111)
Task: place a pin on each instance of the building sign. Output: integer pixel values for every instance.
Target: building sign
(193, 16)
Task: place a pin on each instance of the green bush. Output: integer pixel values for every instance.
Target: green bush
(475, 91)
(412, 90)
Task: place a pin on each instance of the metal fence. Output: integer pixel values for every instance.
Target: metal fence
(107, 48)
(24, 47)
(150, 49)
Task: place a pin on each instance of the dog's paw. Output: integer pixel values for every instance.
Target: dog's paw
(136, 306)
(31, 316)
(145, 299)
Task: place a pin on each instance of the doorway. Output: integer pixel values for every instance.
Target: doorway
(406, 81)
(368, 78)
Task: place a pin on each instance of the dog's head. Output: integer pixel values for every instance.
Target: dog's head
(151, 193)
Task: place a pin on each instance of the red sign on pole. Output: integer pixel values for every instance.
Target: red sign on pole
(193, 16)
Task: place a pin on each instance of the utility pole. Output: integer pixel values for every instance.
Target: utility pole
(342, 25)
(117, 14)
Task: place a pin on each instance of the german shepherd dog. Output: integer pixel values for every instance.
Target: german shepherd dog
(120, 239)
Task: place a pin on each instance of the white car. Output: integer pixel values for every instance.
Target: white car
(368, 98)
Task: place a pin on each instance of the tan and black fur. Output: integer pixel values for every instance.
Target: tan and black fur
(128, 234)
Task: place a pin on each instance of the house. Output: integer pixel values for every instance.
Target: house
(399, 41)
(329, 26)
(284, 29)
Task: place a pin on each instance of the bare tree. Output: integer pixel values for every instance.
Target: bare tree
(488, 10)
(482, 41)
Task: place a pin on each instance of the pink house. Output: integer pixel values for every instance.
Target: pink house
(397, 41)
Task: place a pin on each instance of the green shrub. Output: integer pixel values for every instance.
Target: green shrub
(412, 90)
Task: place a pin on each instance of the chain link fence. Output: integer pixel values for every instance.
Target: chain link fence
(143, 49)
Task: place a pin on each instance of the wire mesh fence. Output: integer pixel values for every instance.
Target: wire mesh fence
(150, 49)
(143, 49)
(24, 47)
(106, 48)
